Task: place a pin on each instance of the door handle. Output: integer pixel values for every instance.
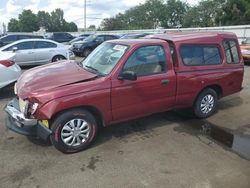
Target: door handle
(165, 82)
(30, 52)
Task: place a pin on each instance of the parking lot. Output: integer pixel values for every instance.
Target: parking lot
(170, 149)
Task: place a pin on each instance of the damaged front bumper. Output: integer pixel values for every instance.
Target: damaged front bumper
(16, 122)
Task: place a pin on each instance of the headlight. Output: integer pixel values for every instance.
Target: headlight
(71, 53)
(27, 108)
(32, 108)
(15, 89)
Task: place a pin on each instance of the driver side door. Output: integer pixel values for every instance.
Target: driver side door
(154, 89)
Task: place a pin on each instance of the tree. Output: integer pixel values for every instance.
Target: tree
(176, 12)
(234, 12)
(72, 27)
(204, 14)
(13, 25)
(28, 21)
(44, 20)
(92, 27)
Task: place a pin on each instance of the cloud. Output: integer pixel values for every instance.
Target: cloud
(73, 9)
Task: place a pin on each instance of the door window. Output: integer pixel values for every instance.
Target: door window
(21, 46)
(147, 60)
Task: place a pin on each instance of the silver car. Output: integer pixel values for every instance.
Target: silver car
(38, 51)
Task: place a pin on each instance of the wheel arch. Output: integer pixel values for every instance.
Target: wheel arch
(217, 88)
(58, 55)
(93, 110)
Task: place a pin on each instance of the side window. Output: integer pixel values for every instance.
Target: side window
(100, 38)
(196, 55)
(9, 38)
(24, 46)
(23, 37)
(147, 60)
(67, 35)
(44, 44)
(231, 52)
(109, 37)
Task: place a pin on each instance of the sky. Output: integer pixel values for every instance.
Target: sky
(73, 9)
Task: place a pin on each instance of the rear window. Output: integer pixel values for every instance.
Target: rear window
(195, 55)
(231, 52)
(44, 44)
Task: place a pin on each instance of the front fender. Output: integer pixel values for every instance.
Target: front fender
(99, 100)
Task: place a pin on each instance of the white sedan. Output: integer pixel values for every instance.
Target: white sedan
(9, 70)
(38, 51)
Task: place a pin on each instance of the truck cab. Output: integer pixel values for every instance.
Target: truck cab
(122, 80)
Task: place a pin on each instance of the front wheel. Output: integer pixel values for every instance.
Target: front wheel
(73, 131)
(206, 103)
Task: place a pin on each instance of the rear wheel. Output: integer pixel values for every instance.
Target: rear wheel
(73, 130)
(206, 103)
(58, 58)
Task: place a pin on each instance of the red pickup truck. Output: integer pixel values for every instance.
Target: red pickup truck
(122, 80)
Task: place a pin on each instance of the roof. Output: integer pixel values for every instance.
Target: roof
(180, 36)
(131, 42)
(176, 37)
(27, 40)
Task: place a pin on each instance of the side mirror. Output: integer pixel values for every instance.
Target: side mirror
(127, 75)
(14, 49)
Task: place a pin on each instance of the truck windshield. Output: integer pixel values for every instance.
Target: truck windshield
(104, 58)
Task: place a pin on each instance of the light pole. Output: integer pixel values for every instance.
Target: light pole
(85, 29)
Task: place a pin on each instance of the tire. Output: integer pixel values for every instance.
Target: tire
(73, 131)
(86, 52)
(58, 58)
(206, 103)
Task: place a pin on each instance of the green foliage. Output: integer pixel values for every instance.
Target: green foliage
(235, 12)
(13, 25)
(29, 22)
(177, 13)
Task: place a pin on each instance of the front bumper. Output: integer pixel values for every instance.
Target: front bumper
(16, 122)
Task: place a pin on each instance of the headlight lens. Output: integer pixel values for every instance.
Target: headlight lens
(33, 107)
(27, 108)
(15, 89)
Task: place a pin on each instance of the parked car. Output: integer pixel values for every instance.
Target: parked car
(60, 37)
(84, 48)
(9, 70)
(7, 39)
(245, 50)
(77, 39)
(38, 51)
(134, 35)
(122, 80)
(84, 35)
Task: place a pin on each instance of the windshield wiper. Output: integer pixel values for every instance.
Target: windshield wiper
(92, 69)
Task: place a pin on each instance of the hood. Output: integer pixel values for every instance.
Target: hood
(47, 77)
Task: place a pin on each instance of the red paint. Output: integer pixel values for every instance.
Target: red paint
(51, 85)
